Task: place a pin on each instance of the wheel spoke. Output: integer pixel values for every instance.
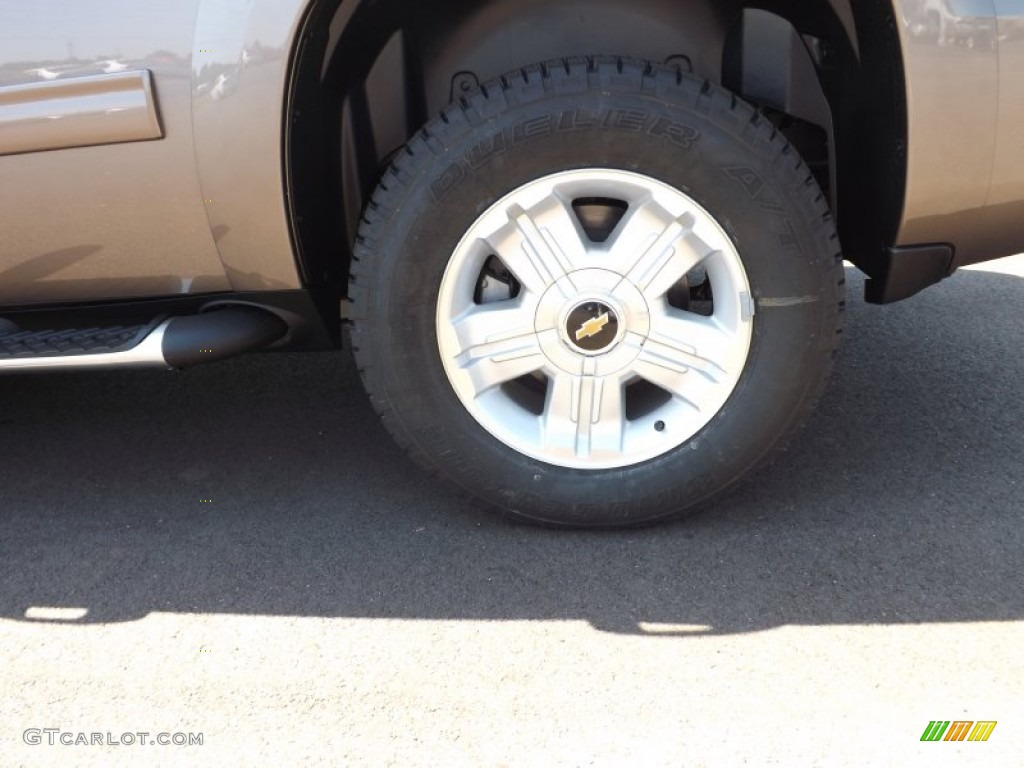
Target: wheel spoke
(702, 338)
(498, 345)
(486, 323)
(655, 251)
(675, 378)
(542, 245)
(585, 415)
(684, 356)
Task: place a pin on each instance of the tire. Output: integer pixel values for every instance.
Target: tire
(677, 150)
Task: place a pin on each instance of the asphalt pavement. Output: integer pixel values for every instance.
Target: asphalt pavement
(239, 551)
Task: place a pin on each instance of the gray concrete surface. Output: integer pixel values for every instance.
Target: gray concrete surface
(240, 551)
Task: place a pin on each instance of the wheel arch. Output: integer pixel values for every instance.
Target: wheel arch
(366, 75)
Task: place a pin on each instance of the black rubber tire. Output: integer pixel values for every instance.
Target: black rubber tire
(611, 113)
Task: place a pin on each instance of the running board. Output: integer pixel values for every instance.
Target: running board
(178, 342)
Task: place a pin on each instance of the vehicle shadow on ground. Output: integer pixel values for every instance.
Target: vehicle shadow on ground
(266, 486)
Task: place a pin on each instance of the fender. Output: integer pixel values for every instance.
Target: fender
(953, 88)
(241, 59)
(965, 153)
(390, 81)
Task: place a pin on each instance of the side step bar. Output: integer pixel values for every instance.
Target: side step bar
(178, 342)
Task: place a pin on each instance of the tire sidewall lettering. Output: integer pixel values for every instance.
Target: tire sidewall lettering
(574, 120)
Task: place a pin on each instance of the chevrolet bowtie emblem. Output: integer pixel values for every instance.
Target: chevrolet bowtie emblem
(593, 327)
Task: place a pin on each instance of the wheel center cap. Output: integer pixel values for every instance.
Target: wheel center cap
(592, 320)
(592, 326)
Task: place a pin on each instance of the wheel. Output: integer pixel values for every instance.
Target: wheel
(595, 293)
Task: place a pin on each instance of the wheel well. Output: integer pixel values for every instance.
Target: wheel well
(367, 75)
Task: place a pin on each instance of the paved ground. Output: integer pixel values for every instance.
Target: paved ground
(327, 603)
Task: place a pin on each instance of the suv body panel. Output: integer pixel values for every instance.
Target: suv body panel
(965, 95)
(200, 211)
(206, 208)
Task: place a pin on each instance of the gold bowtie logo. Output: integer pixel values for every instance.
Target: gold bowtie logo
(593, 327)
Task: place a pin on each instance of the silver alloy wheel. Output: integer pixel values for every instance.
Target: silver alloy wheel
(583, 358)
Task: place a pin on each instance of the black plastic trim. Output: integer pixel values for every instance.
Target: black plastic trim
(907, 271)
(219, 335)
